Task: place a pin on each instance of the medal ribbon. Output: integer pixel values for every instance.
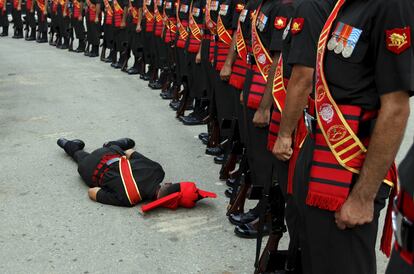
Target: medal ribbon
(195, 30)
(148, 15)
(241, 43)
(157, 13)
(181, 29)
(279, 89)
(108, 8)
(210, 23)
(223, 34)
(259, 51)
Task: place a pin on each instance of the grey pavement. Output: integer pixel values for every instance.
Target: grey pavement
(47, 222)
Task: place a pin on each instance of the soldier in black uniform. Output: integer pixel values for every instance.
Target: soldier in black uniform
(4, 21)
(197, 76)
(30, 34)
(134, 28)
(93, 25)
(365, 44)
(77, 27)
(118, 175)
(17, 19)
(41, 11)
(54, 24)
(108, 33)
(302, 65)
(259, 158)
(120, 8)
(159, 51)
(64, 22)
(402, 258)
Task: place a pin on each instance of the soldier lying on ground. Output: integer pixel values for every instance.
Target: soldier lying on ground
(118, 175)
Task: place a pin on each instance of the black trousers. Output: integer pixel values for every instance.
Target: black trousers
(94, 33)
(325, 248)
(196, 77)
(4, 21)
(121, 39)
(398, 265)
(108, 39)
(160, 53)
(41, 20)
(79, 28)
(30, 20)
(17, 19)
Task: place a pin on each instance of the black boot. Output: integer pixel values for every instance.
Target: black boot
(51, 42)
(59, 43)
(115, 64)
(5, 32)
(95, 51)
(81, 46)
(123, 60)
(18, 33)
(26, 33)
(32, 36)
(70, 146)
(114, 57)
(109, 58)
(71, 44)
(135, 68)
(123, 143)
(65, 44)
(87, 52)
(103, 54)
(43, 37)
(38, 37)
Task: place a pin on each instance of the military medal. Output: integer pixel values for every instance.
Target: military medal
(333, 42)
(352, 41)
(339, 47)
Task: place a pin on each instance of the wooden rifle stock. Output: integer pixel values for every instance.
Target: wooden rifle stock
(240, 190)
(270, 248)
(214, 133)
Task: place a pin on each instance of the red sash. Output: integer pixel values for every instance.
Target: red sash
(183, 34)
(130, 186)
(344, 152)
(76, 9)
(194, 28)
(223, 34)
(157, 13)
(261, 55)
(54, 6)
(41, 5)
(28, 4)
(211, 25)
(148, 15)
(109, 13)
(118, 14)
(238, 73)
(1, 4)
(240, 43)
(91, 10)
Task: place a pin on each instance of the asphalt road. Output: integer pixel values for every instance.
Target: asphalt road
(48, 224)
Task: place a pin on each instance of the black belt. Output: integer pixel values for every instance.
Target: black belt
(403, 229)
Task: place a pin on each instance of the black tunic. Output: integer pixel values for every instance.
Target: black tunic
(147, 174)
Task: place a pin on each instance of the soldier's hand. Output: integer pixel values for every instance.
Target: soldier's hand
(261, 117)
(19, 8)
(80, 19)
(198, 58)
(355, 211)
(31, 10)
(225, 72)
(96, 20)
(139, 28)
(123, 25)
(241, 98)
(282, 149)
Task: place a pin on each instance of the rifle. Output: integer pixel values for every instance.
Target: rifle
(185, 100)
(272, 260)
(236, 151)
(241, 188)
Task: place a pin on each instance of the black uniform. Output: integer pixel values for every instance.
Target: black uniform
(4, 21)
(76, 23)
(17, 19)
(30, 21)
(402, 260)
(260, 159)
(93, 26)
(120, 32)
(374, 67)
(134, 37)
(41, 7)
(148, 175)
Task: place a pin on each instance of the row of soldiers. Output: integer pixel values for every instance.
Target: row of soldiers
(299, 98)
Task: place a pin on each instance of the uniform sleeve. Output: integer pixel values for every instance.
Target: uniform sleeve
(104, 196)
(304, 42)
(279, 12)
(393, 36)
